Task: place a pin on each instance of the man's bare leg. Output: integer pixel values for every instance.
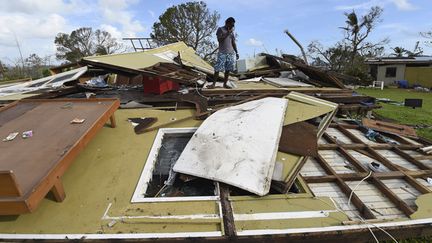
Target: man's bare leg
(215, 77)
(226, 80)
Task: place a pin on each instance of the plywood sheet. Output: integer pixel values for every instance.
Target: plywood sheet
(237, 145)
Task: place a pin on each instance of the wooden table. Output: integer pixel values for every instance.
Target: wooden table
(31, 167)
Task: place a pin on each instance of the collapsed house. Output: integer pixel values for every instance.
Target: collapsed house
(275, 156)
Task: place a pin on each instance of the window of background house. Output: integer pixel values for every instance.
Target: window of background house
(390, 72)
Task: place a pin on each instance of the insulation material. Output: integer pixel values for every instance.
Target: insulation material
(237, 145)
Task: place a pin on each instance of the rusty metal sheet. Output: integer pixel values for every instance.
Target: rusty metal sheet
(299, 138)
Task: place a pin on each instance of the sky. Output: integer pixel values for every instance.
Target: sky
(259, 23)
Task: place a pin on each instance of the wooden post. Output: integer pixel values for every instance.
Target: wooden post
(58, 191)
(113, 121)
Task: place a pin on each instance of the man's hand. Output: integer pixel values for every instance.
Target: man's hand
(237, 56)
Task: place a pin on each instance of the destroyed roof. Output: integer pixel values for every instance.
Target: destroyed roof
(121, 184)
(400, 60)
(21, 90)
(136, 61)
(102, 179)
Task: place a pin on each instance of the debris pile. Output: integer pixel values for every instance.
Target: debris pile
(281, 128)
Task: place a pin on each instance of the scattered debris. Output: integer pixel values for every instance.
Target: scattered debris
(112, 223)
(140, 124)
(27, 134)
(375, 167)
(77, 121)
(258, 137)
(11, 136)
(427, 150)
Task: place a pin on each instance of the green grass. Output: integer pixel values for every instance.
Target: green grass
(402, 114)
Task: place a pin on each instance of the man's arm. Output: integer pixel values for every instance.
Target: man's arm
(235, 48)
(222, 36)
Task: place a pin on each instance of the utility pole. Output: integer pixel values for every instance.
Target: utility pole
(298, 44)
(19, 49)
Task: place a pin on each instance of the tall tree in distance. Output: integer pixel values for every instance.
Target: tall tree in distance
(348, 54)
(84, 42)
(427, 35)
(357, 29)
(190, 22)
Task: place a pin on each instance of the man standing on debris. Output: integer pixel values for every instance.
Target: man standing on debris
(228, 53)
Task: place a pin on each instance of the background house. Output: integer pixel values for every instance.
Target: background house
(416, 70)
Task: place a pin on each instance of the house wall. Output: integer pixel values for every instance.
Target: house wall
(419, 75)
(400, 73)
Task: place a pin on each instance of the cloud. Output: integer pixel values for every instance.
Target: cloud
(254, 42)
(35, 23)
(403, 5)
(112, 30)
(115, 12)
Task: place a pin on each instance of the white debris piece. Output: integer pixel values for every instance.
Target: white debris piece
(237, 145)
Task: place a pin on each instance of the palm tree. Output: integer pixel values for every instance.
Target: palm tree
(399, 51)
(358, 28)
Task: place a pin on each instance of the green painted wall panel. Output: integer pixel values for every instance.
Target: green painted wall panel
(419, 75)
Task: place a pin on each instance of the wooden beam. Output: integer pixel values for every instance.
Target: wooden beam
(346, 146)
(227, 212)
(319, 179)
(358, 203)
(383, 160)
(351, 136)
(327, 168)
(359, 166)
(417, 185)
(392, 196)
(361, 207)
(354, 176)
(411, 159)
(328, 138)
(291, 179)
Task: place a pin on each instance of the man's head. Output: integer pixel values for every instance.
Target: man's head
(229, 23)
